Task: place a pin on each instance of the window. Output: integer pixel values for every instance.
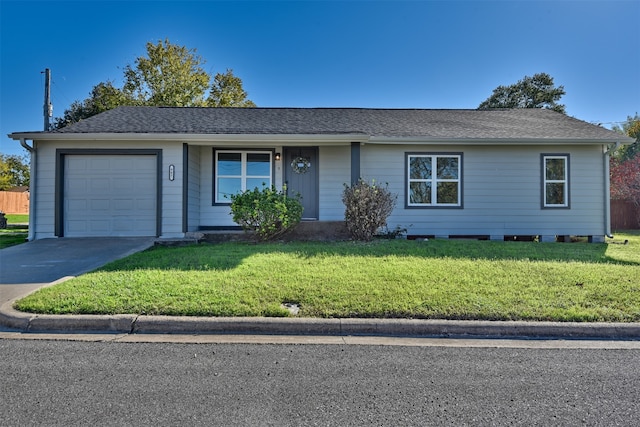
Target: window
(555, 180)
(433, 180)
(237, 171)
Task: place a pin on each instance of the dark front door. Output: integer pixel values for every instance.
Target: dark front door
(301, 176)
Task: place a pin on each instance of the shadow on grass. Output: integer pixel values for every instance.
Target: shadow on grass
(226, 256)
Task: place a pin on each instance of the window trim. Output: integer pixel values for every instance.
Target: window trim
(434, 156)
(566, 181)
(244, 152)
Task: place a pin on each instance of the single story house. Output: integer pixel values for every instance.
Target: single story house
(167, 171)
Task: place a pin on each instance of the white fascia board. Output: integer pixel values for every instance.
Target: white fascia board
(196, 139)
(497, 141)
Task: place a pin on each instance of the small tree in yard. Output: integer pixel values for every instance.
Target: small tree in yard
(367, 207)
(267, 212)
(625, 180)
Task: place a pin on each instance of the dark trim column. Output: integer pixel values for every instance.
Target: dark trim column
(185, 187)
(355, 162)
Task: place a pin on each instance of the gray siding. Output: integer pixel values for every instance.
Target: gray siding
(501, 191)
(335, 171)
(210, 215)
(194, 194)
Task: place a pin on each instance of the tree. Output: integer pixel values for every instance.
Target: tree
(169, 76)
(630, 128)
(227, 91)
(14, 171)
(103, 97)
(530, 92)
(625, 181)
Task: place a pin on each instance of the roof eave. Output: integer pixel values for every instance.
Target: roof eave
(499, 141)
(308, 138)
(191, 137)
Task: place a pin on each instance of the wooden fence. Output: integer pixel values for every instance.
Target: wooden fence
(624, 215)
(14, 202)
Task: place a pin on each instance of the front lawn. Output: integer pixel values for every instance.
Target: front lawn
(16, 232)
(442, 279)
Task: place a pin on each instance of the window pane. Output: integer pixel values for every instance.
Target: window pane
(420, 167)
(227, 187)
(420, 193)
(229, 164)
(555, 194)
(447, 168)
(555, 169)
(448, 193)
(259, 164)
(258, 182)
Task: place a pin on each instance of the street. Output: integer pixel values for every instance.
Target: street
(46, 382)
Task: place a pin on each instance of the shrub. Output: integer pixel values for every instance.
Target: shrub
(267, 212)
(367, 207)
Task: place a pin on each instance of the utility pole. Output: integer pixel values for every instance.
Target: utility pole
(48, 107)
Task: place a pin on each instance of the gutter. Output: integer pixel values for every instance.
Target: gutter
(607, 188)
(32, 187)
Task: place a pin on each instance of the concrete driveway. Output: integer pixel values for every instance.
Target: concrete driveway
(25, 267)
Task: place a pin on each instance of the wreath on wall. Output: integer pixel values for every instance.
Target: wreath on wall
(300, 165)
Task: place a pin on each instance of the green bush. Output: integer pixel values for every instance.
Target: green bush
(367, 207)
(267, 212)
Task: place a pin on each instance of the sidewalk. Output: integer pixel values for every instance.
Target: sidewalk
(30, 266)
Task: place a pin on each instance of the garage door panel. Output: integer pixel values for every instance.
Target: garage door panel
(123, 183)
(100, 184)
(123, 205)
(110, 195)
(99, 204)
(100, 164)
(76, 165)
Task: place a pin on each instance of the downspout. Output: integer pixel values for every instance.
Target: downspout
(32, 187)
(607, 192)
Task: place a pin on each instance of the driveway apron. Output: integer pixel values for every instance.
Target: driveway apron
(26, 267)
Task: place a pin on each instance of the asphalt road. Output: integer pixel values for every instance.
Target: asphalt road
(115, 383)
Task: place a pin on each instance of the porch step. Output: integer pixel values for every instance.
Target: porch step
(305, 231)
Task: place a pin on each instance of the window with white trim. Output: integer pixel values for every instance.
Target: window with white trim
(237, 171)
(555, 180)
(433, 180)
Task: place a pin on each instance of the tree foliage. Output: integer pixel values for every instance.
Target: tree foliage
(625, 180)
(630, 128)
(14, 171)
(103, 97)
(170, 76)
(227, 91)
(530, 92)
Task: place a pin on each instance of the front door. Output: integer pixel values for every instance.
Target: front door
(301, 176)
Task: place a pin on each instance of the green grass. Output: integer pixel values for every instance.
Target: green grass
(386, 278)
(16, 231)
(17, 218)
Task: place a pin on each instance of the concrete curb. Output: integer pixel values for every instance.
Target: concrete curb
(134, 324)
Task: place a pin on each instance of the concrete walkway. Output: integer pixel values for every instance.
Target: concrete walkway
(30, 266)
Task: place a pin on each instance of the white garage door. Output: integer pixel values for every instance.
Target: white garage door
(110, 195)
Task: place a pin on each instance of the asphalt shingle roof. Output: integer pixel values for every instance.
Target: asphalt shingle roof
(393, 123)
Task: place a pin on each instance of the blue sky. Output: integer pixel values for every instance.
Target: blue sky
(378, 54)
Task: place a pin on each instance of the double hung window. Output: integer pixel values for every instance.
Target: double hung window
(237, 171)
(555, 180)
(433, 180)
